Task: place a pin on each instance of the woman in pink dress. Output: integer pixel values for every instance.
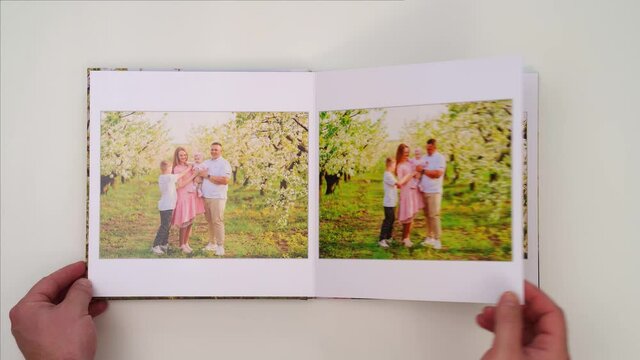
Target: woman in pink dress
(188, 205)
(410, 200)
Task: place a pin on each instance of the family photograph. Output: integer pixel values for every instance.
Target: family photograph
(428, 182)
(204, 185)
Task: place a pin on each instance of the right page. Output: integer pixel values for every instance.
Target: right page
(421, 181)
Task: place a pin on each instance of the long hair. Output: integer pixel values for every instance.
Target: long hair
(176, 159)
(399, 155)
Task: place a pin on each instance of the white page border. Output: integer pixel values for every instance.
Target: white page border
(196, 91)
(532, 263)
(422, 84)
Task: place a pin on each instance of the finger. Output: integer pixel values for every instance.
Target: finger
(97, 307)
(486, 318)
(79, 296)
(544, 313)
(508, 326)
(537, 301)
(49, 287)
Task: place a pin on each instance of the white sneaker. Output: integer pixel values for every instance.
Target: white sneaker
(383, 243)
(210, 247)
(220, 250)
(407, 243)
(428, 241)
(164, 248)
(157, 250)
(436, 244)
(185, 249)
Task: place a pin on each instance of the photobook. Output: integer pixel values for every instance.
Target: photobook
(401, 182)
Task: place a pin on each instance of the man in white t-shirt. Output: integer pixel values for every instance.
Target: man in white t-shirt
(432, 166)
(214, 190)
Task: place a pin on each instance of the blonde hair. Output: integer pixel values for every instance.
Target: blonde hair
(164, 165)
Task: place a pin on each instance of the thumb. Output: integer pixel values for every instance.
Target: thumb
(507, 343)
(79, 296)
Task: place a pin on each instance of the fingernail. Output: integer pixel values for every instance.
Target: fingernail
(84, 282)
(509, 299)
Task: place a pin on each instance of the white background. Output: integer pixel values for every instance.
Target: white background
(585, 51)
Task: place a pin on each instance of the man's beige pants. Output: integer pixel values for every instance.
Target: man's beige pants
(214, 213)
(432, 213)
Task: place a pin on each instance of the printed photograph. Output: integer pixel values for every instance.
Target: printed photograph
(203, 184)
(428, 182)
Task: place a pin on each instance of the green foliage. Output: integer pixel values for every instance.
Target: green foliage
(129, 220)
(475, 137)
(350, 221)
(270, 149)
(350, 141)
(130, 144)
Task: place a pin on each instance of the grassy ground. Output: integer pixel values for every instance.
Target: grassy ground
(350, 221)
(129, 219)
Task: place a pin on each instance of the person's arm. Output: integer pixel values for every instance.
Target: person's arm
(437, 173)
(434, 174)
(185, 180)
(219, 180)
(54, 320)
(389, 180)
(179, 175)
(405, 179)
(224, 179)
(536, 330)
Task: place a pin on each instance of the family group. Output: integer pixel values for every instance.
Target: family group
(419, 180)
(188, 190)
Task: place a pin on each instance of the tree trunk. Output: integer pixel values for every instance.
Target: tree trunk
(264, 182)
(472, 186)
(332, 182)
(235, 174)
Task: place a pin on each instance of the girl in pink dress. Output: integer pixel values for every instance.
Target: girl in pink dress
(188, 205)
(410, 199)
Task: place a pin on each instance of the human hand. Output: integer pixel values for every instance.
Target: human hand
(536, 330)
(55, 319)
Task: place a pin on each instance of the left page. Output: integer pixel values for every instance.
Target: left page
(199, 184)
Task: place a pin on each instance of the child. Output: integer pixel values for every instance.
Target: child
(166, 204)
(198, 166)
(389, 203)
(415, 161)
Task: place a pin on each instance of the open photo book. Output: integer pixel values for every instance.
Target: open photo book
(401, 182)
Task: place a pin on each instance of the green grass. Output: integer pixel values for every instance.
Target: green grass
(350, 221)
(129, 219)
